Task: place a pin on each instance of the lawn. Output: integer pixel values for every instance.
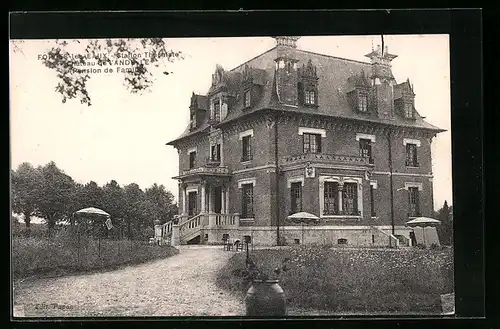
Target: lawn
(343, 280)
(39, 255)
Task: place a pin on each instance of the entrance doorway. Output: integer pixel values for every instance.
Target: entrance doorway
(218, 200)
(192, 200)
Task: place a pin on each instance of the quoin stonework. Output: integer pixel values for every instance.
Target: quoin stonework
(295, 131)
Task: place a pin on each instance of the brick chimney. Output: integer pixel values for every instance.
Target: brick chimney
(382, 82)
(286, 70)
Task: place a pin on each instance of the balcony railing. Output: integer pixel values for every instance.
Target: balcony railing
(342, 213)
(246, 157)
(212, 162)
(206, 170)
(327, 158)
(414, 214)
(412, 163)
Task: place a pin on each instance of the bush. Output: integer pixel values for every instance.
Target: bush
(347, 280)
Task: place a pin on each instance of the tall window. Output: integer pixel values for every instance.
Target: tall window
(192, 159)
(246, 97)
(350, 198)
(362, 102)
(372, 201)
(365, 149)
(192, 198)
(246, 149)
(310, 97)
(408, 110)
(296, 197)
(215, 153)
(411, 155)
(247, 201)
(312, 143)
(330, 197)
(413, 201)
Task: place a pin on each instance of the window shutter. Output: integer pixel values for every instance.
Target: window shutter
(318, 142)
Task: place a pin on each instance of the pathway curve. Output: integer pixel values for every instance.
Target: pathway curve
(181, 285)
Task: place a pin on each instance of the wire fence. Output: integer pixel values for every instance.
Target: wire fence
(80, 247)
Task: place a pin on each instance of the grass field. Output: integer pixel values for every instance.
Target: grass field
(351, 280)
(39, 255)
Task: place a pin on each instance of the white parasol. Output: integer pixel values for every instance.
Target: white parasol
(92, 211)
(423, 221)
(424, 230)
(303, 217)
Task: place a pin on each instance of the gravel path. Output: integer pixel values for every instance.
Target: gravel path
(182, 285)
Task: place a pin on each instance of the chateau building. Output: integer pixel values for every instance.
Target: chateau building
(295, 131)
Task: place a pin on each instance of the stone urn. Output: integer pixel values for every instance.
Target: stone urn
(265, 298)
(156, 222)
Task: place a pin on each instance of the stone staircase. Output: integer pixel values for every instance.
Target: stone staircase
(184, 229)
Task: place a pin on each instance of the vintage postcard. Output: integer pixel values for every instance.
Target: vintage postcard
(242, 176)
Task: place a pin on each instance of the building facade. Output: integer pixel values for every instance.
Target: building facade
(294, 131)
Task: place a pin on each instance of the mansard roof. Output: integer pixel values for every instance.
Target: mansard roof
(200, 102)
(336, 77)
(333, 74)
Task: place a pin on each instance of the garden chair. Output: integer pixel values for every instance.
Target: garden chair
(230, 244)
(238, 245)
(225, 240)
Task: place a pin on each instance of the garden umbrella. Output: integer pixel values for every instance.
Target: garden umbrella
(92, 211)
(424, 230)
(423, 221)
(303, 217)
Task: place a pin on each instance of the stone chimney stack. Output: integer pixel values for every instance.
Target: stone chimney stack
(382, 81)
(286, 70)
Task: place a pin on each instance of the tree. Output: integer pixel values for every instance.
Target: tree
(90, 195)
(134, 197)
(54, 201)
(26, 188)
(114, 200)
(163, 201)
(445, 230)
(72, 60)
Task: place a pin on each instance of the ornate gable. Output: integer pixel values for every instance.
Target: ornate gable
(308, 85)
(219, 80)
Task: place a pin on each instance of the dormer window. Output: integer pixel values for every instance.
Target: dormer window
(216, 110)
(247, 99)
(310, 97)
(193, 120)
(408, 108)
(308, 85)
(362, 101)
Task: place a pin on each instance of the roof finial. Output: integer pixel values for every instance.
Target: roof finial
(372, 45)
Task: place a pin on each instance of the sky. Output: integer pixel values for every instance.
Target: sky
(122, 136)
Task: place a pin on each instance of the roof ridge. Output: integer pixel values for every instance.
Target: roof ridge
(301, 50)
(251, 59)
(331, 56)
